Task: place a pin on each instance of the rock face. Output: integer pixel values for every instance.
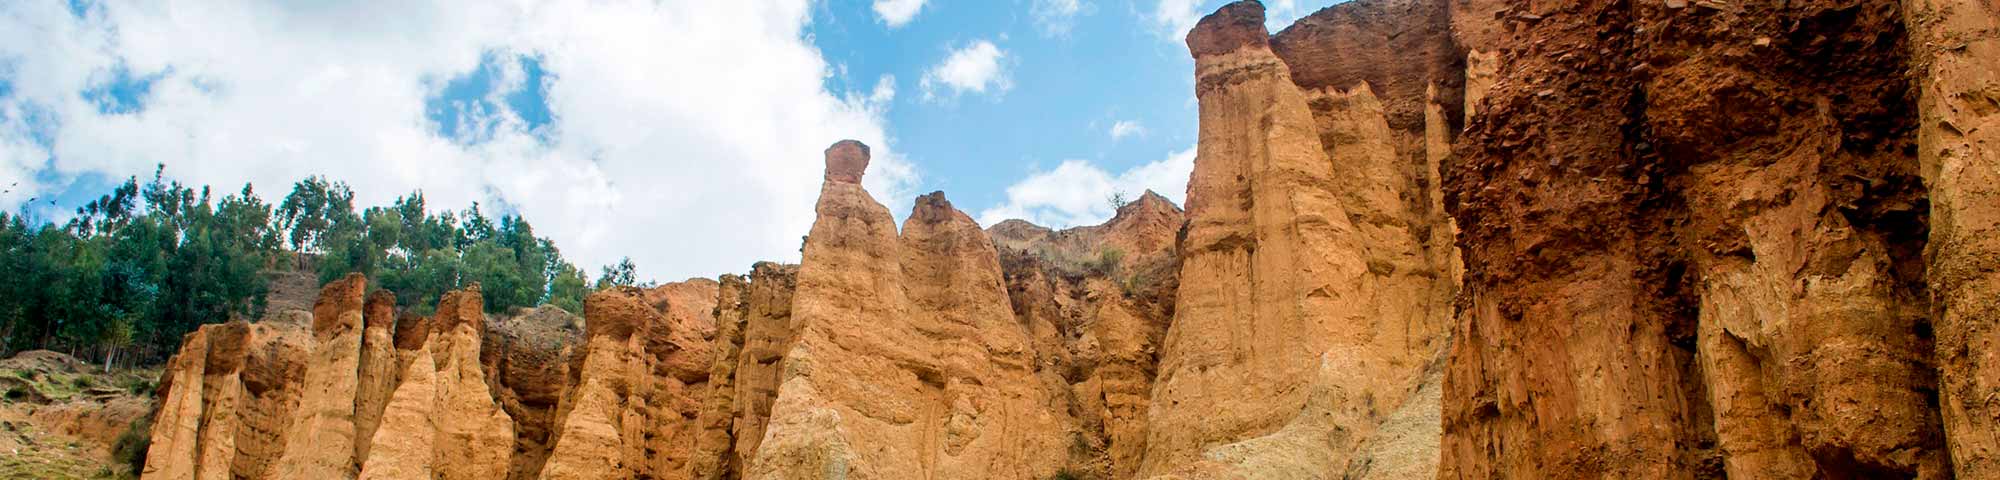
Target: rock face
(753, 318)
(311, 398)
(226, 401)
(1096, 301)
(527, 357)
(379, 372)
(1423, 239)
(323, 435)
(1309, 305)
(1955, 52)
(443, 420)
(1695, 242)
(908, 362)
(638, 390)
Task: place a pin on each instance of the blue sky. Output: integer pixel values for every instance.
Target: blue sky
(685, 134)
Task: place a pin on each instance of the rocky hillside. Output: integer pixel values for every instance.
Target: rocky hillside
(1423, 239)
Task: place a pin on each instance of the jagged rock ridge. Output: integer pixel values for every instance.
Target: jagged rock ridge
(1450, 238)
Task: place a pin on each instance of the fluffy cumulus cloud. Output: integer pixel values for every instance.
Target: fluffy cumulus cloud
(978, 67)
(1079, 193)
(896, 13)
(686, 134)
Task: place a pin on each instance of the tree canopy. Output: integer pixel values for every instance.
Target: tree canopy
(141, 266)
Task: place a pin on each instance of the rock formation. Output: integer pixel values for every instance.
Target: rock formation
(1309, 303)
(1096, 301)
(754, 332)
(226, 401)
(637, 389)
(378, 369)
(323, 433)
(908, 362)
(1695, 238)
(1955, 54)
(527, 357)
(1423, 238)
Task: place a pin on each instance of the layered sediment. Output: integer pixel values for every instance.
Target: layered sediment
(1450, 239)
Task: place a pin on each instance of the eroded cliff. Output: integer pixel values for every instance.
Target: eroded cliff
(1423, 239)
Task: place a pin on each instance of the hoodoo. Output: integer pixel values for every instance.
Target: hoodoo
(1308, 307)
(1447, 239)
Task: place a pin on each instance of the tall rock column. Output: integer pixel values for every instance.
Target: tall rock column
(599, 432)
(475, 437)
(1956, 49)
(378, 368)
(1299, 325)
(443, 420)
(991, 419)
(170, 452)
(768, 332)
(891, 380)
(714, 449)
(322, 436)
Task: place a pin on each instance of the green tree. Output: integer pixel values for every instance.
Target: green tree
(625, 273)
(314, 208)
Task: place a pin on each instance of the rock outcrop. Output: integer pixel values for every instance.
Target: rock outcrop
(527, 357)
(754, 330)
(1310, 303)
(908, 362)
(1423, 239)
(378, 370)
(226, 401)
(323, 434)
(1955, 54)
(1695, 238)
(1096, 301)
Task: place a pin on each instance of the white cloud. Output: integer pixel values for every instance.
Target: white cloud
(979, 67)
(690, 171)
(1174, 18)
(896, 13)
(1078, 193)
(885, 90)
(1126, 128)
(1056, 17)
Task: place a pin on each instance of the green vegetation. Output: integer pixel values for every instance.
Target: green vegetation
(1107, 262)
(130, 449)
(138, 268)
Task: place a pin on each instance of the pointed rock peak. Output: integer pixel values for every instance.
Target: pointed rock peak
(1234, 26)
(1018, 228)
(935, 209)
(1150, 201)
(846, 161)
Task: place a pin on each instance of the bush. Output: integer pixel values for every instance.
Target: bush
(140, 386)
(130, 449)
(1107, 261)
